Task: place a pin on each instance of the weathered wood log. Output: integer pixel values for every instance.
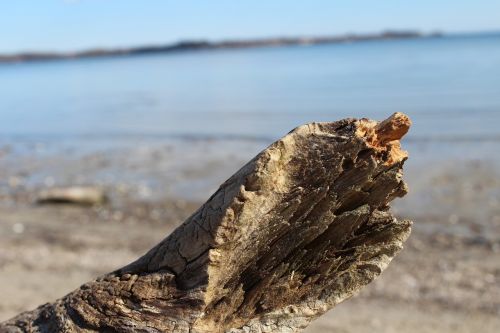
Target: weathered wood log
(300, 228)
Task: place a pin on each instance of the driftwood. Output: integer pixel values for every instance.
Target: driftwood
(300, 228)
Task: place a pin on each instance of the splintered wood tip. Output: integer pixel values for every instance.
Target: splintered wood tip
(393, 128)
(384, 136)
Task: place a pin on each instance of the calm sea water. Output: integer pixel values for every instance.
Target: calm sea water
(449, 86)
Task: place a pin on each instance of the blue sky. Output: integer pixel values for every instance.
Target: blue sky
(66, 25)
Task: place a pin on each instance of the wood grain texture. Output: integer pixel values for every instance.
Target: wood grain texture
(300, 228)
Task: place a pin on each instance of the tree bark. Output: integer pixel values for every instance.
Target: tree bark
(300, 228)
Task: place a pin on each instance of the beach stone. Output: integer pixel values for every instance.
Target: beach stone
(81, 195)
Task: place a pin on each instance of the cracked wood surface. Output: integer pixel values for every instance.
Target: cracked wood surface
(300, 228)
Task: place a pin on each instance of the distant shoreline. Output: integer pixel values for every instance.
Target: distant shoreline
(207, 45)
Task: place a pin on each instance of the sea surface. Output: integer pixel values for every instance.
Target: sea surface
(449, 86)
(229, 104)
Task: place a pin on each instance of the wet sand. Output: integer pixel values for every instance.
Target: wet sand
(447, 279)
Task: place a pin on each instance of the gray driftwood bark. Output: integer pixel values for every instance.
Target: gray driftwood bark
(300, 228)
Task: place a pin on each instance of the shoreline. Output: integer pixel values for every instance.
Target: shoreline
(205, 45)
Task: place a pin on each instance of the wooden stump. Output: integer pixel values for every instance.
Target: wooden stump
(300, 228)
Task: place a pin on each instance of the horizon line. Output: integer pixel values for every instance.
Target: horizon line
(234, 43)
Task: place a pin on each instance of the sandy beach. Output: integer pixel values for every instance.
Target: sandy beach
(447, 279)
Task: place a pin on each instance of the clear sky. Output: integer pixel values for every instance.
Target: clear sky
(68, 25)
